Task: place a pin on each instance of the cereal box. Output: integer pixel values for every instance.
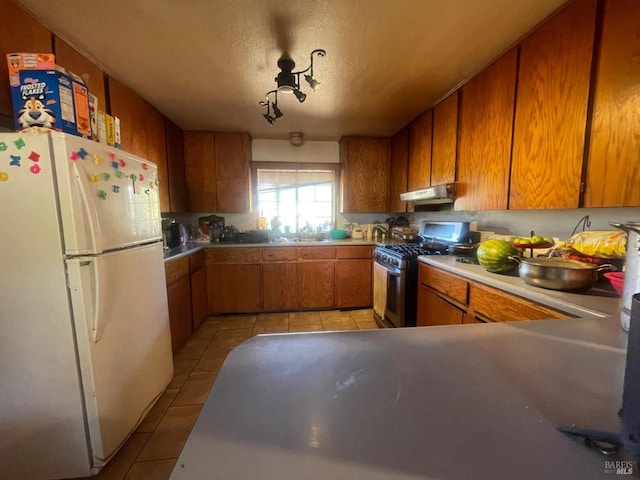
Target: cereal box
(50, 99)
(28, 61)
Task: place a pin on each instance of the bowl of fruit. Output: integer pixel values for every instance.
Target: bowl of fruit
(533, 241)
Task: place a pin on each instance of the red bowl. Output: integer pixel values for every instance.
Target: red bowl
(617, 281)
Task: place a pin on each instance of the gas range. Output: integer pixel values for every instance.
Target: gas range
(399, 255)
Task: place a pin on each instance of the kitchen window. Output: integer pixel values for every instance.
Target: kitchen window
(296, 199)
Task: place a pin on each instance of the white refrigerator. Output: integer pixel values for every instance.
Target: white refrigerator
(85, 346)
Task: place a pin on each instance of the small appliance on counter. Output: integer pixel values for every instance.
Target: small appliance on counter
(214, 225)
(175, 234)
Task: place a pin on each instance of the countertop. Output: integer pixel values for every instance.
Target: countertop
(596, 302)
(192, 247)
(478, 401)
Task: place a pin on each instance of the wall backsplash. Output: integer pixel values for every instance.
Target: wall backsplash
(555, 223)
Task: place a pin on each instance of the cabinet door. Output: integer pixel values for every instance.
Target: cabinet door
(398, 174)
(445, 140)
(434, 310)
(178, 201)
(613, 172)
(179, 300)
(483, 301)
(317, 284)
(234, 288)
(232, 153)
(280, 286)
(157, 151)
(199, 302)
(486, 126)
(420, 132)
(131, 109)
(74, 61)
(353, 283)
(20, 33)
(364, 174)
(551, 110)
(200, 171)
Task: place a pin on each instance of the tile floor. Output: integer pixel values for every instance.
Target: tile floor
(152, 451)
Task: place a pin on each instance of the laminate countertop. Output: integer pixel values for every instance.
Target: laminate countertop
(479, 401)
(600, 301)
(192, 247)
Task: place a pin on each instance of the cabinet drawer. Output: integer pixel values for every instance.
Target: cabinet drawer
(359, 251)
(279, 254)
(447, 283)
(232, 255)
(196, 260)
(493, 304)
(175, 269)
(319, 252)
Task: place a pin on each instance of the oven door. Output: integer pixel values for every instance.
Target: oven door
(394, 310)
(379, 290)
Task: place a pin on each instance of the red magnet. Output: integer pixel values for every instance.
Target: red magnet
(141, 177)
(34, 157)
(123, 163)
(35, 168)
(145, 166)
(112, 155)
(74, 156)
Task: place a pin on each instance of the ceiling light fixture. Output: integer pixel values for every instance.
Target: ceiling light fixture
(288, 82)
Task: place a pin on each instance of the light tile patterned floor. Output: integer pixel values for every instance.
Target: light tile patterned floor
(152, 451)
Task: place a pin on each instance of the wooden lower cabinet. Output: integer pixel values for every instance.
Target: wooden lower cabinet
(199, 303)
(317, 285)
(234, 288)
(280, 286)
(179, 301)
(435, 310)
(447, 299)
(353, 283)
(279, 278)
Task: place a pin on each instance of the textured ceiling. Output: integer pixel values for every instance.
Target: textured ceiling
(206, 64)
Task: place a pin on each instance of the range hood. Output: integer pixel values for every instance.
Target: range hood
(438, 194)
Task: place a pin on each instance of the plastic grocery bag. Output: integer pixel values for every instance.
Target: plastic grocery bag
(598, 243)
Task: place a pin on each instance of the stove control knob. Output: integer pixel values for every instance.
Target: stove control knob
(395, 262)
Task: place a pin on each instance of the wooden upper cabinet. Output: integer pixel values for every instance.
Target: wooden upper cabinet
(132, 111)
(551, 110)
(232, 153)
(613, 173)
(175, 162)
(69, 58)
(20, 33)
(445, 140)
(200, 171)
(399, 170)
(157, 151)
(486, 127)
(364, 174)
(420, 132)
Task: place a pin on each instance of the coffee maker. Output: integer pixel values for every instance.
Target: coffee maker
(214, 225)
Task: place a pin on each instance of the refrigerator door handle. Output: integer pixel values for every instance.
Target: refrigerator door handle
(98, 288)
(88, 291)
(88, 212)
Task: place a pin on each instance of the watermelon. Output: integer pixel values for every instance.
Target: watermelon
(494, 255)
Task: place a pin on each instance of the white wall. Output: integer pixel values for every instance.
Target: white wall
(283, 151)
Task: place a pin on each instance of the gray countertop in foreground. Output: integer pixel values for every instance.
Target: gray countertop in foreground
(476, 401)
(597, 302)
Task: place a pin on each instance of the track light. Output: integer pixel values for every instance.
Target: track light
(288, 82)
(276, 111)
(313, 83)
(299, 95)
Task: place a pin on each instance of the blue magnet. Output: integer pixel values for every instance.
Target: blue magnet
(15, 160)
